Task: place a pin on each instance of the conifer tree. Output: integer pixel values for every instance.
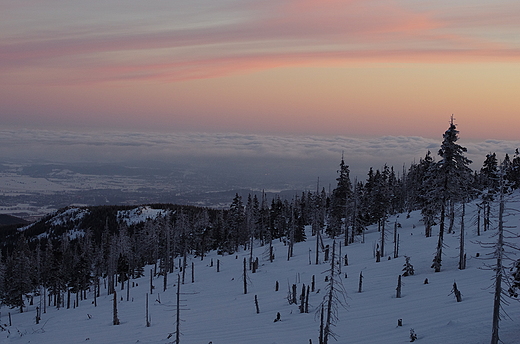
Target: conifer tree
(236, 223)
(512, 169)
(452, 176)
(18, 276)
(425, 175)
(408, 267)
(340, 201)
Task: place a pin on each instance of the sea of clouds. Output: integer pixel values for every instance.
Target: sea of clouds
(296, 158)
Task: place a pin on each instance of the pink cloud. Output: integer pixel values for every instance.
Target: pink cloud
(270, 34)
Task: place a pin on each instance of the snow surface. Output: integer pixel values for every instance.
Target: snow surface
(69, 215)
(140, 214)
(214, 307)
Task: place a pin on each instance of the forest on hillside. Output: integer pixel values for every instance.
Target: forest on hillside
(70, 252)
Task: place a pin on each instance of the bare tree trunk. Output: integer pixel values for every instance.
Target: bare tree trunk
(457, 293)
(452, 216)
(321, 326)
(438, 256)
(151, 281)
(116, 319)
(498, 268)
(184, 264)
(95, 292)
(291, 237)
(383, 236)
(165, 277)
(478, 220)
(346, 223)
(339, 255)
(462, 256)
(244, 277)
(318, 246)
(396, 241)
(330, 296)
(251, 241)
(487, 215)
(398, 294)
(45, 303)
(307, 300)
(178, 317)
(147, 315)
(271, 252)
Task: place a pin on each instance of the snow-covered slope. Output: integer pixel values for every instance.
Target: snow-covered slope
(215, 309)
(139, 214)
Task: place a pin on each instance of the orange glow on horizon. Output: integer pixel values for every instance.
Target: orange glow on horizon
(315, 67)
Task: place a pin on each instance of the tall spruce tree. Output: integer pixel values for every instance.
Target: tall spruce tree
(488, 184)
(512, 169)
(425, 174)
(451, 181)
(237, 224)
(340, 201)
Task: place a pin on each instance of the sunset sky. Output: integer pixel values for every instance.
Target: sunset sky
(358, 68)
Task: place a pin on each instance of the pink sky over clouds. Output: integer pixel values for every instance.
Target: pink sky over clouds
(359, 68)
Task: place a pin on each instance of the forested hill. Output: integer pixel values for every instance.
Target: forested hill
(6, 220)
(72, 222)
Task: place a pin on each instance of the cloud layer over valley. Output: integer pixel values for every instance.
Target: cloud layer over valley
(297, 160)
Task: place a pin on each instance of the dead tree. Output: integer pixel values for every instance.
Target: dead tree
(116, 319)
(396, 241)
(321, 338)
(151, 281)
(184, 263)
(302, 300)
(307, 299)
(398, 289)
(383, 235)
(147, 314)
(165, 277)
(244, 276)
(462, 255)
(256, 304)
(290, 239)
(499, 251)
(334, 298)
(178, 312)
(456, 292)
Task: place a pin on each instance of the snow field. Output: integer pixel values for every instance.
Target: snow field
(215, 309)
